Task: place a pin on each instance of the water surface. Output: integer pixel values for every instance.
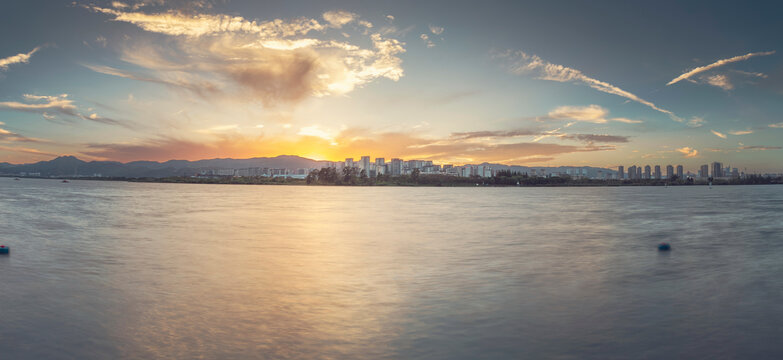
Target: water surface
(104, 270)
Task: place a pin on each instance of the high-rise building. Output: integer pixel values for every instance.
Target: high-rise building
(717, 170)
(380, 161)
(647, 171)
(364, 164)
(349, 162)
(679, 171)
(632, 172)
(657, 171)
(669, 171)
(396, 167)
(639, 172)
(704, 172)
(620, 172)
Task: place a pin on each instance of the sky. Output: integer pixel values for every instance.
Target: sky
(537, 83)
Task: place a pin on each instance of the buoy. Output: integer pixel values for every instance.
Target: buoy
(4, 249)
(664, 246)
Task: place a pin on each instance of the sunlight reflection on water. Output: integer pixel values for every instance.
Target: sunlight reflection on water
(108, 269)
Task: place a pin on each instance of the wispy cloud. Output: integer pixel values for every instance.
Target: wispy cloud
(741, 132)
(9, 136)
(688, 152)
(721, 81)
(760, 147)
(522, 63)
(26, 150)
(696, 122)
(437, 30)
(539, 134)
(60, 104)
(591, 113)
(718, 63)
(20, 58)
(626, 120)
(720, 135)
(778, 125)
(276, 61)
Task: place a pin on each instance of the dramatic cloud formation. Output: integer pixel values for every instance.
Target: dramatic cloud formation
(274, 61)
(718, 63)
(592, 113)
(522, 63)
(720, 135)
(463, 148)
(17, 59)
(60, 104)
(688, 152)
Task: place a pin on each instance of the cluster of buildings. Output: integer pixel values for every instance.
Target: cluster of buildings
(300, 173)
(399, 167)
(716, 171)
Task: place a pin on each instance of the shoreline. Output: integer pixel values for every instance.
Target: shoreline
(424, 181)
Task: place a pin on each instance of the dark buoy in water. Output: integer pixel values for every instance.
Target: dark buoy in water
(664, 246)
(4, 250)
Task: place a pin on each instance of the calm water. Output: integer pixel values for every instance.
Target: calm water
(103, 270)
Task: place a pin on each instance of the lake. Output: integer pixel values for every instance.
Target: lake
(102, 270)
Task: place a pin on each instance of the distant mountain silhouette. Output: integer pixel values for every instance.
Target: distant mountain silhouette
(72, 166)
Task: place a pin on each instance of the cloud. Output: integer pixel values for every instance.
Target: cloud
(60, 104)
(8, 136)
(752, 74)
(696, 122)
(720, 135)
(427, 41)
(741, 132)
(597, 138)
(26, 150)
(591, 113)
(339, 18)
(522, 63)
(721, 81)
(336, 146)
(718, 63)
(21, 58)
(274, 62)
(688, 152)
(777, 126)
(101, 41)
(437, 30)
(626, 120)
(540, 135)
(760, 148)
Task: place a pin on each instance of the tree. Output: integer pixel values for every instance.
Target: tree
(312, 177)
(415, 175)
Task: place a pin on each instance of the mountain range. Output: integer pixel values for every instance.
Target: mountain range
(71, 166)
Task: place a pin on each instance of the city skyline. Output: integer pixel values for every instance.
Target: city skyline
(513, 83)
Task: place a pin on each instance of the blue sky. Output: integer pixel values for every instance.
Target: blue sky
(531, 83)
